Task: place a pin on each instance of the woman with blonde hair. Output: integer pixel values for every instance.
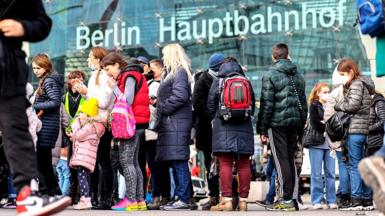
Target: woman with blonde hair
(174, 112)
(47, 104)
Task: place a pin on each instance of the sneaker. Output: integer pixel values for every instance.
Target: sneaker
(224, 205)
(11, 204)
(141, 205)
(125, 205)
(356, 205)
(372, 170)
(193, 204)
(261, 203)
(318, 207)
(332, 206)
(343, 201)
(31, 203)
(170, 202)
(83, 204)
(177, 205)
(213, 201)
(3, 201)
(285, 205)
(154, 204)
(367, 204)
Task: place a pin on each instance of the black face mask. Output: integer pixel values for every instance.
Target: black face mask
(149, 75)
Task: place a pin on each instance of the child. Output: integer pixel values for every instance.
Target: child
(86, 134)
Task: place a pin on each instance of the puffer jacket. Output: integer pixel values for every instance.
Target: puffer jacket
(357, 102)
(85, 144)
(49, 102)
(174, 111)
(376, 122)
(228, 137)
(279, 103)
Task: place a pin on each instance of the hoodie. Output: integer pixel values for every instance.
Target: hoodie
(357, 102)
(279, 103)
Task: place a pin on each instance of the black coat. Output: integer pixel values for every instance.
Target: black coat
(174, 112)
(49, 102)
(229, 137)
(376, 122)
(202, 120)
(314, 133)
(36, 24)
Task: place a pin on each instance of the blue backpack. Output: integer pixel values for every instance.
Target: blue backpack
(371, 17)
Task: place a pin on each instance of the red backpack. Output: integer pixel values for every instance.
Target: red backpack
(235, 98)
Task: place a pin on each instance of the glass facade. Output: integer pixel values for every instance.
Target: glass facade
(317, 31)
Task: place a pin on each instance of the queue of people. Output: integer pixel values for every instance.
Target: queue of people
(134, 110)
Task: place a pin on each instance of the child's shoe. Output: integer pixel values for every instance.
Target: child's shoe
(133, 205)
(142, 205)
(84, 203)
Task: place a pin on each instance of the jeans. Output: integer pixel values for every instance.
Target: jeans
(381, 152)
(344, 186)
(320, 158)
(63, 173)
(182, 178)
(271, 173)
(356, 144)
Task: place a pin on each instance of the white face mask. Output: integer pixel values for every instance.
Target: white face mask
(93, 67)
(324, 97)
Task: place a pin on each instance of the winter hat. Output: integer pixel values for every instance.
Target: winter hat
(143, 59)
(215, 61)
(90, 107)
(29, 90)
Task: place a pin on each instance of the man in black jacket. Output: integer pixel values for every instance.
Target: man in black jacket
(281, 118)
(202, 122)
(21, 21)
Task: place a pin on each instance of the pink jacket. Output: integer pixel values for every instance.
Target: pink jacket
(85, 144)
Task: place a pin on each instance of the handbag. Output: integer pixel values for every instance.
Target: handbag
(312, 137)
(337, 126)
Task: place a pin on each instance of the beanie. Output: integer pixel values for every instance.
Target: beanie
(215, 61)
(90, 107)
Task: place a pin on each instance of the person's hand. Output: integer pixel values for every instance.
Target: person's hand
(82, 89)
(40, 114)
(264, 139)
(11, 28)
(111, 82)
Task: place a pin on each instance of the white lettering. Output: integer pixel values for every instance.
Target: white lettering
(287, 20)
(137, 34)
(163, 29)
(258, 26)
(245, 21)
(203, 29)
(184, 31)
(82, 37)
(332, 17)
(270, 17)
(97, 38)
(227, 20)
(219, 31)
(341, 9)
(304, 16)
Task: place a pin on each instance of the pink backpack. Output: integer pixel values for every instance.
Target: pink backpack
(123, 120)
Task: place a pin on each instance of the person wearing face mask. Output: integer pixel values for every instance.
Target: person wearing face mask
(356, 102)
(337, 95)
(319, 152)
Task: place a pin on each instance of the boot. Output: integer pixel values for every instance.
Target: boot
(224, 205)
(213, 201)
(94, 199)
(104, 203)
(154, 204)
(193, 204)
(242, 204)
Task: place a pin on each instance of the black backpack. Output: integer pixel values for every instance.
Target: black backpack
(337, 126)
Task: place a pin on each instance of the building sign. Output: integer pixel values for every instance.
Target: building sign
(229, 24)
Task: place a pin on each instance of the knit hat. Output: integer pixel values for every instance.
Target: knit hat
(90, 107)
(215, 61)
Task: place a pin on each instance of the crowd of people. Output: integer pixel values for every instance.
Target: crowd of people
(135, 113)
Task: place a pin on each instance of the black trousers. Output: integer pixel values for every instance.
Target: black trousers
(103, 165)
(142, 161)
(74, 186)
(48, 183)
(283, 143)
(116, 167)
(18, 144)
(213, 183)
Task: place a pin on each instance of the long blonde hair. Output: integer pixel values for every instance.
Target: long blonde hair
(174, 58)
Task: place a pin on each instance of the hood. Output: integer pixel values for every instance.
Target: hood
(377, 98)
(285, 66)
(133, 67)
(368, 82)
(58, 78)
(229, 67)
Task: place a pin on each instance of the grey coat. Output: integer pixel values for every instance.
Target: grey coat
(64, 123)
(357, 102)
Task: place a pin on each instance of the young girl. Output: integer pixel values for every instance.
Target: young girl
(319, 151)
(86, 133)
